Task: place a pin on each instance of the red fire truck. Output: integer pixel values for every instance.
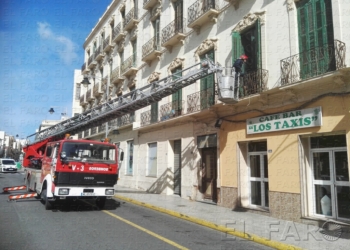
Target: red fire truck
(71, 169)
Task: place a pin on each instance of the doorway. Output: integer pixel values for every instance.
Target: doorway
(209, 173)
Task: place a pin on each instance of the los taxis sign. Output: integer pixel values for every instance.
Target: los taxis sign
(304, 118)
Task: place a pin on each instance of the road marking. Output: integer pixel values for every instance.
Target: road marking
(146, 231)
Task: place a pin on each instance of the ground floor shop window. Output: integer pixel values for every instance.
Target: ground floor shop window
(258, 176)
(329, 175)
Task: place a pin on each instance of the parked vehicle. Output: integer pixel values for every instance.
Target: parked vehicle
(8, 165)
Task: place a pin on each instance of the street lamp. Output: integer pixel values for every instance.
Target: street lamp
(63, 114)
(85, 82)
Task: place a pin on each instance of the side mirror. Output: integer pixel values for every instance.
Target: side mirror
(121, 156)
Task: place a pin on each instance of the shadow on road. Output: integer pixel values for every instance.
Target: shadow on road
(83, 205)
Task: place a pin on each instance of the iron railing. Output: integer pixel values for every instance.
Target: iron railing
(176, 26)
(82, 99)
(149, 117)
(115, 74)
(313, 63)
(105, 43)
(128, 63)
(171, 110)
(83, 67)
(86, 132)
(201, 100)
(126, 119)
(116, 30)
(102, 128)
(90, 60)
(80, 135)
(132, 14)
(97, 51)
(93, 130)
(200, 7)
(150, 46)
(253, 82)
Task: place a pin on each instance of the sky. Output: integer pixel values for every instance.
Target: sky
(41, 44)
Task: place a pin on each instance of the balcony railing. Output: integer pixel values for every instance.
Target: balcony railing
(87, 133)
(94, 130)
(148, 117)
(253, 82)
(313, 63)
(117, 32)
(82, 100)
(201, 100)
(130, 19)
(98, 90)
(106, 44)
(102, 128)
(172, 29)
(125, 119)
(91, 59)
(83, 67)
(150, 46)
(128, 64)
(98, 54)
(200, 7)
(171, 110)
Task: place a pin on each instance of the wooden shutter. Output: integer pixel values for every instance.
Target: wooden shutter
(258, 43)
(237, 47)
(177, 96)
(178, 16)
(154, 112)
(207, 85)
(177, 167)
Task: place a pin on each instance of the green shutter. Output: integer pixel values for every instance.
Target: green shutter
(154, 112)
(258, 43)
(315, 27)
(237, 47)
(207, 85)
(177, 97)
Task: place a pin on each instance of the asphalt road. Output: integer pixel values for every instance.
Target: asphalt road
(79, 225)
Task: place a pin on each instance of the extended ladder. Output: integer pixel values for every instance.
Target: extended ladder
(131, 101)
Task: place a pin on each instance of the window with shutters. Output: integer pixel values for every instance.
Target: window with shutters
(156, 32)
(130, 158)
(316, 37)
(248, 42)
(177, 96)
(207, 84)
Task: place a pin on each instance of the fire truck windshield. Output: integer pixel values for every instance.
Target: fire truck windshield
(82, 151)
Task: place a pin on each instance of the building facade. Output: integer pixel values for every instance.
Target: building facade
(281, 149)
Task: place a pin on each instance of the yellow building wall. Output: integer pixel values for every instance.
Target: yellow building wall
(283, 161)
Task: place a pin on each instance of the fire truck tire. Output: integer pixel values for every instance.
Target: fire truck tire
(47, 203)
(100, 202)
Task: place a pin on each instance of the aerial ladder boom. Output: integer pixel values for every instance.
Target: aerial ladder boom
(137, 99)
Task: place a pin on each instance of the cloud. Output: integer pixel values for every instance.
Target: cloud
(65, 48)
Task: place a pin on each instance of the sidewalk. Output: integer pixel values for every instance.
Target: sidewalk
(262, 229)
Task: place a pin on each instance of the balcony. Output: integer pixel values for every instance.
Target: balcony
(171, 110)
(128, 67)
(125, 120)
(98, 89)
(102, 128)
(83, 101)
(116, 78)
(89, 96)
(149, 4)
(202, 12)
(201, 100)
(151, 50)
(313, 63)
(118, 33)
(94, 131)
(131, 19)
(87, 133)
(91, 62)
(173, 34)
(253, 83)
(98, 54)
(107, 45)
(148, 117)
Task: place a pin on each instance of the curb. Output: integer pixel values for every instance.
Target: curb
(231, 231)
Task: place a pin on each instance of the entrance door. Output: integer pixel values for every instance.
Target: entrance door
(209, 172)
(331, 186)
(177, 167)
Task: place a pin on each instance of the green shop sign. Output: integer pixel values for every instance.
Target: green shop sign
(304, 118)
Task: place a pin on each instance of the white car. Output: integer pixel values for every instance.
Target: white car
(8, 165)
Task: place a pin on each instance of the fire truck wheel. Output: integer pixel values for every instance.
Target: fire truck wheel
(100, 202)
(47, 203)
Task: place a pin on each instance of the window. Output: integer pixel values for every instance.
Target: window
(130, 159)
(178, 7)
(248, 42)
(134, 50)
(156, 31)
(258, 177)
(316, 37)
(77, 92)
(330, 186)
(207, 85)
(177, 96)
(152, 159)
